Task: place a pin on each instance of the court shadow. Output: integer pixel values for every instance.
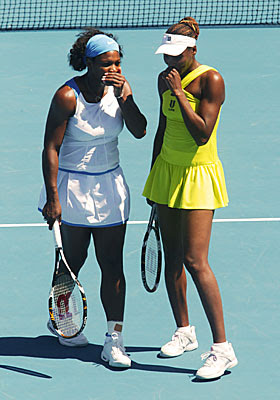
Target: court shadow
(197, 380)
(26, 371)
(158, 368)
(137, 349)
(162, 368)
(48, 347)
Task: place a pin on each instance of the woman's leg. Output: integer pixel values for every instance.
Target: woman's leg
(109, 253)
(175, 276)
(184, 338)
(75, 242)
(196, 231)
(109, 244)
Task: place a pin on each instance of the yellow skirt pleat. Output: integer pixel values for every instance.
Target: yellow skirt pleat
(195, 187)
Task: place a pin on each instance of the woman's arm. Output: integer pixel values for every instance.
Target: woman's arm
(135, 121)
(62, 107)
(162, 123)
(158, 140)
(200, 124)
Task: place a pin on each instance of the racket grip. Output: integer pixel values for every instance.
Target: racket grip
(56, 234)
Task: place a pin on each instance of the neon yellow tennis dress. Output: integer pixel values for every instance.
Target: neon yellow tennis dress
(184, 174)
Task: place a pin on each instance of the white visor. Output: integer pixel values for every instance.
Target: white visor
(173, 45)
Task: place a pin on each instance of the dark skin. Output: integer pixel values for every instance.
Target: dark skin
(209, 88)
(103, 71)
(186, 233)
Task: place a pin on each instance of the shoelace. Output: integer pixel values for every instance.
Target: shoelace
(181, 338)
(210, 357)
(117, 347)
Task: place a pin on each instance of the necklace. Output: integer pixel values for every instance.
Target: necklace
(94, 93)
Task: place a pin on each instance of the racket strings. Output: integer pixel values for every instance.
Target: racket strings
(67, 305)
(151, 259)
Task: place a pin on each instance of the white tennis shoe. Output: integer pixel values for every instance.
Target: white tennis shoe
(217, 362)
(114, 352)
(77, 341)
(180, 343)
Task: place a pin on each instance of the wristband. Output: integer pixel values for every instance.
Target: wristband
(120, 96)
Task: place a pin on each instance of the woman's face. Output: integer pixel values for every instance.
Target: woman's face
(106, 62)
(183, 62)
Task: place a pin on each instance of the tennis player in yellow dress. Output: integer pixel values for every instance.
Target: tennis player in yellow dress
(187, 183)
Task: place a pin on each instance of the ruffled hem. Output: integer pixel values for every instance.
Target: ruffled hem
(92, 201)
(196, 187)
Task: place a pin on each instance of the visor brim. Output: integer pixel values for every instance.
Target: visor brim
(171, 49)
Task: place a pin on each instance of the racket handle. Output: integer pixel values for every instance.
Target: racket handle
(56, 234)
(153, 214)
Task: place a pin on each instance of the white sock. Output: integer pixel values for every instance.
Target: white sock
(114, 326)
(184, 329)
(222, 346)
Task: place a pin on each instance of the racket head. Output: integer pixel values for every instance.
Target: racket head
(67, 303)
(151, 255)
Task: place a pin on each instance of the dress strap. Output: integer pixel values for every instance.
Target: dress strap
(194, 74)
(73, 85)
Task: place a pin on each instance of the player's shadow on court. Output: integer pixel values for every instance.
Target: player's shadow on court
(25, 371)
(197, 380)
(49, 348)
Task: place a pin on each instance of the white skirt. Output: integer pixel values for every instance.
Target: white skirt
(92, 200)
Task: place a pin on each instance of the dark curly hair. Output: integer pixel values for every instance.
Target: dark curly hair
(77, 52)
(187, 27)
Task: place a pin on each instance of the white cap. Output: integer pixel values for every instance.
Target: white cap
(173, 45)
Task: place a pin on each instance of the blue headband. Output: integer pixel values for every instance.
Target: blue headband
(99, 44)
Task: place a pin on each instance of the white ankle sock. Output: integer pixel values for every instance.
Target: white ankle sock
(112, 325)
(184, 329)
(222, 346)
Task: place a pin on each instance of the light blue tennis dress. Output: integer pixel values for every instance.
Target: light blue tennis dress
(91, 186)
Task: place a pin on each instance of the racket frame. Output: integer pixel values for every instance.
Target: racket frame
(60, 254)
(152, 226)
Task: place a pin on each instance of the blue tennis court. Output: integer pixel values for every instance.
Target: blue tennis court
(244, 252)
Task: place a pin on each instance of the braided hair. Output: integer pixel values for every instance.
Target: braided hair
(187, 27)
(77, 52)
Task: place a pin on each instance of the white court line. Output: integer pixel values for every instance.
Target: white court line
(145, 222)
(248, 220)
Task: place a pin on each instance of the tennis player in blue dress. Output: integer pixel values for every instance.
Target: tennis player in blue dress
(85, 188)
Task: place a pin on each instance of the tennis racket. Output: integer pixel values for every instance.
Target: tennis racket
(151, 256)
(67, 300)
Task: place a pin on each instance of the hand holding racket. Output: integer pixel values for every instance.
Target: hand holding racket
(151, 256)
(67, 300)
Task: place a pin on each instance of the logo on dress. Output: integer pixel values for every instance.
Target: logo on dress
(172, 105)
